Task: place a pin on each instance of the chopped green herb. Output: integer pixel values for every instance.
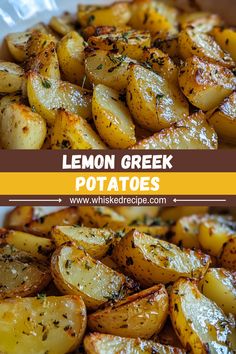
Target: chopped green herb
(46, 83)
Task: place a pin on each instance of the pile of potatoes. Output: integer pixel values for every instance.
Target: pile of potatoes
(128, 280)
(139, 75)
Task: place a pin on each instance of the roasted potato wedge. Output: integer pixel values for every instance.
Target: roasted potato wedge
(135, 214)
(193, 132)
(53, 325)
(153, 102)
(117, 14)
(192, 42)
(71, 131)
(107, 68)
(127, 42)
(44, 224)
(95, 242)
(112, 118)
(213, 234)
(156, 17)
(153, 230)
(228, 256)
(70, 51)
(101, 217)
(224, 119)
(37, 43)
(205, 84)
(200, 21)
(174, 213)
(11, 77)
(97, 343)
(200, 324)
(225, 283)
(75, 272)
(20, 128)
(226, 38)
(63, 24)
(168, 45)
(17, 44)
(138, 316)
(47, 95)
(151, 260)
(21, 275)
(19, 217)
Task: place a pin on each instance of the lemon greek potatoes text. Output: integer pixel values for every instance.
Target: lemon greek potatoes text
(140, 75)
(118, 280)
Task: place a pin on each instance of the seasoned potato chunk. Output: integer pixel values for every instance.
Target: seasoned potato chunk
(139, 315)
(191, 133)
(153, 102)
(112, 118)
(11, 77)
(21, 275)
(73, 132)
(107, 68)
(213, 234)
(70, 51)
(156, 17)
(174, 213)
(97, 343)
(95, 242)
(201, 325)
(224, 119)
(152, 261)
(63, 24)
(21, 128)
(228, 256)
(19, 216)
(47, 95)
(117, 14)
(101, 217)
(205, 84)
(17, 43)
(75, 272)
(168, 45)
(200, 21)
(225, 283)
(39, 325)
(226, 38)
(127, 42)
(136, 215)
(192, 42)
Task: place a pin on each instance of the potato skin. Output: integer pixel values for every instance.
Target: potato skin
(101, 217)
(226, 38)
(205, 84)
(151, 261)
(228, 256)
(21, 128)
(19, 216)
(17, 43)
(11, 77)
(112, 118)
(63, 316)
(139, 315)
(197, 320)
(71, 131)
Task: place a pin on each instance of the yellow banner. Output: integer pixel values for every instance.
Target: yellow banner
(149, 183)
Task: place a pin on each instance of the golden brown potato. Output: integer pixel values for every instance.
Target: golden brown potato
(54, 325)
(192, 42)
(19, 217)
(228, 256)
(107, 68)
(75, 272)
(95, 242)
(117, 14)
(37, 43)
(200, 324)
(63, 24)
(205, 84)
(44, 224)
(47, 95)
(21, 275)
(70, 51)
(20, 128)
(135, 214)
(100, 217)
(156, 17)
(17, 43)
(112, 118)
(193, 132)
(225, 283)
(154, 102)
(200, 21)
(224, 119)
(97, 343)
(151, 260)
(174, 213)
(11, 77)
(71, 131)
(168, 45)
(226, 38)
(127, 42)
(137, 316)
